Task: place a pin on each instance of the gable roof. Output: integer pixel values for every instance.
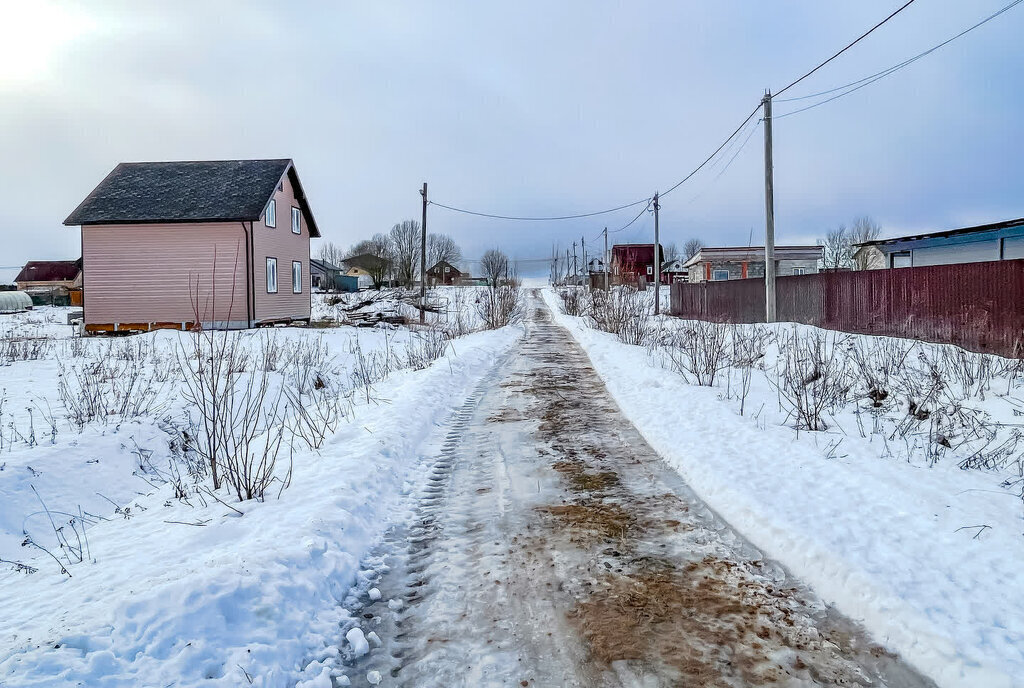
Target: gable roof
(324, 265)
(190, 191)
(366, 261)
(992, 227)
(49, 271)
(436, 267)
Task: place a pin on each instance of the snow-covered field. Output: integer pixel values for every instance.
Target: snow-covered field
(874, 511)
(110, 578)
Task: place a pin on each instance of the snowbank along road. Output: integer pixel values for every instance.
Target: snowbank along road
(553, 547)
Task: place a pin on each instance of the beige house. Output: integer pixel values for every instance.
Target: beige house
(742, 262)
(212, 244)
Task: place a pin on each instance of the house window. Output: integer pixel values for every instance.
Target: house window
(447, 270)
(720, 275)
(271, 275)
(901, 260)
(296, 277)
(650, 270)
(799, 271)
(296, 221)
(271, 217)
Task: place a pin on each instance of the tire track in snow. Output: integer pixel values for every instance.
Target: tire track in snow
(552, 547)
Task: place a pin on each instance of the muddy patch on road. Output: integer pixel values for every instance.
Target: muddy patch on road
(664, 589)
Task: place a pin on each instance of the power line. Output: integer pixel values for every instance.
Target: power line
(639, 215)
(848, 46)
(708, 159)
(868, 80)
(538, 219)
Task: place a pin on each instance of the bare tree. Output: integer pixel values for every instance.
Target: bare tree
(691, 247)
(442, 247)
(494, 265)
(838, 252)
(376, 257)
(405, 248)
(865, 229)
(671, 252)
(331, 253)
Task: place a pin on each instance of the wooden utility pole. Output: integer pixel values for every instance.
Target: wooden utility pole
(583, 264)
(657, 259)
(575, 272)
(567, 266)
(769, 213)
(423, 260)
(607, 262)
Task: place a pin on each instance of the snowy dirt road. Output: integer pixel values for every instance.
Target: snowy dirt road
(553, 547)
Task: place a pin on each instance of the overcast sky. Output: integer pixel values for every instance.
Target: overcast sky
(524, 108)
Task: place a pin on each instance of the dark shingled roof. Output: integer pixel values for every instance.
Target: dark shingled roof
(49, 271)
(195, 191)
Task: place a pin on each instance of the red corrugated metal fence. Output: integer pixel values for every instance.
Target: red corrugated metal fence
(979, 306)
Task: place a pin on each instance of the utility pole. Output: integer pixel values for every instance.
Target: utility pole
(607, 266)
(423, 260)
(567, 266)
(586, 270)
(657, 259)
(575, 272)
(769, 213)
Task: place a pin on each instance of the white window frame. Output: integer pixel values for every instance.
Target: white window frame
(447, 270)
(271, 275)
(296, 221)
(799, 271)
(270, 218)
(296, 276)
(650, 269)
(716, 273)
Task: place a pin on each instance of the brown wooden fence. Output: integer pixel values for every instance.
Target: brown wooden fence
(979, 306)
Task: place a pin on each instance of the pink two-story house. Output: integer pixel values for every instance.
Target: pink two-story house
(212, 244)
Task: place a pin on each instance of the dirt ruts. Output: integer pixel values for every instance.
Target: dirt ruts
(553, 547)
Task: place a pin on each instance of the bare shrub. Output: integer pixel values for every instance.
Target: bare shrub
(108, 387)
(426, 346)
(697, 350)
(573, 300)
(458, 321)
(813, 378)
(623, 312)
(500, 305)
(237, 417)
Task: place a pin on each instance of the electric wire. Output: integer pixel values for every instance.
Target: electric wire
(537, 219)
(848, 46)
(731, 139)
(709, 158)
(868, 80)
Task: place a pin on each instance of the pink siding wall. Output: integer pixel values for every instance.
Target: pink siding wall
(279, 242)
(148, 273)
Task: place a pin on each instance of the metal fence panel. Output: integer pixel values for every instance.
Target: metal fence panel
(979, 306)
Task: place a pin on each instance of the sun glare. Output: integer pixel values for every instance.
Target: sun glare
(34, 32)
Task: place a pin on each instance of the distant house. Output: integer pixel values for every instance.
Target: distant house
(213, 244)
(995, 241)
(371, 270)
(742, 262)
(54, 282)
(443, 272)
(596, 266)
(324, 275)
(630, 262)
(674, 271)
